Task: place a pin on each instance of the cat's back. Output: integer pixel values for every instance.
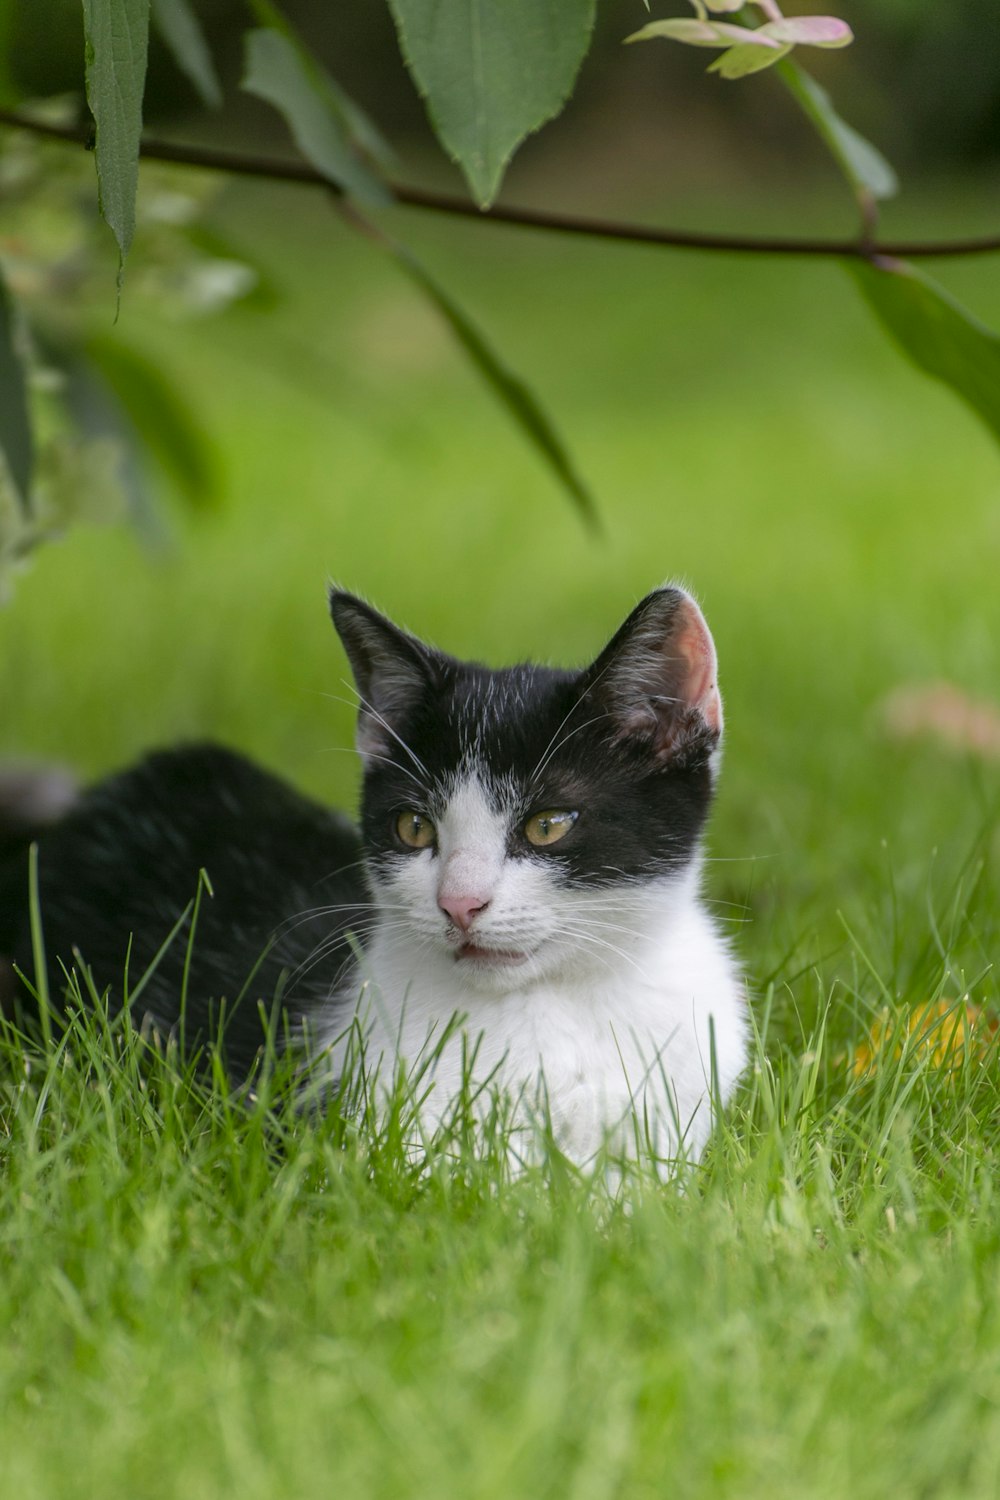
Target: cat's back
(120, 870)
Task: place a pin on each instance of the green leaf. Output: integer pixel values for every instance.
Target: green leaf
(864, 166)
(360, 128)
(492, 71)
(741, 61)
(280, 71)
(935, 332)
(181, 30)
(117, 38)
(166, 424)
(520, 401)
(16, 442)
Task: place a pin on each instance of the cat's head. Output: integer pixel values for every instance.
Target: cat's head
(514, 819)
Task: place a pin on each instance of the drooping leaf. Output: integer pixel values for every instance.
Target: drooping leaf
(864, 166)
(16, 441)
(520, 401)
(935, 332)
(117, 41)
(492, 71)
(281, 72)
(163, 420)
(180, 28)
(360, 127)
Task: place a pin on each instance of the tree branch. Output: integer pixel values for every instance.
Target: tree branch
(246, 164)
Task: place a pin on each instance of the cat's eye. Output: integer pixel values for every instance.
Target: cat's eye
(549, 827)
(415, 830)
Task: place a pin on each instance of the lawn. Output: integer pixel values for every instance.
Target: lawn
(195, 1301)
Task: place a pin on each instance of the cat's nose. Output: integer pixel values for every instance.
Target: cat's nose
(462, 909)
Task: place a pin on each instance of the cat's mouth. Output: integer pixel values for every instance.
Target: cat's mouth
(496, 958)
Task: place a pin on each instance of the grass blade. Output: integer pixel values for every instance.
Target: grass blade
(41, 975)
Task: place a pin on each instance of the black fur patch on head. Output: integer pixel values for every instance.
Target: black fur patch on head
(623, 743)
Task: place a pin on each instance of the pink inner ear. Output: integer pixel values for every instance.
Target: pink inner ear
(693, 641)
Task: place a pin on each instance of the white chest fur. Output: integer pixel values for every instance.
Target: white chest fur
(629, 1041)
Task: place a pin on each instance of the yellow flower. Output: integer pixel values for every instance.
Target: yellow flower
(945, 1033)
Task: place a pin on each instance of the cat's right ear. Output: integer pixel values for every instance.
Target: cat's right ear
(391, 671)
(657, 680)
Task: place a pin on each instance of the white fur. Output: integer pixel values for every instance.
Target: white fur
(629, 1000)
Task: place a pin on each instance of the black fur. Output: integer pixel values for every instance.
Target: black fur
(124, 864)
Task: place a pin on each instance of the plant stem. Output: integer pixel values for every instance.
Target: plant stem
(802, 90)
(248, 164)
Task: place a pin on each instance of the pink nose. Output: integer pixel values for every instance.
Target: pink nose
(462, 909)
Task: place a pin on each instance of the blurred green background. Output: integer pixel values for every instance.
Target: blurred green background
(744, 424)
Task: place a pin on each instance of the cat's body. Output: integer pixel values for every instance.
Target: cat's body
(117, 872)
(528, 862)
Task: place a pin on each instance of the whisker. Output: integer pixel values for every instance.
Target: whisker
(360, 701)
(544, 758)
(371, 709)
(313, 913)
(555, 748)
(330, 945)
(584, 935)
(385, 759)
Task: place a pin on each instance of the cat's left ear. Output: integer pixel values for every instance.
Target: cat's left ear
(657, 680)
(391, 669)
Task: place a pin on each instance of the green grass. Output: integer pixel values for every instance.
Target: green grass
(197, 1300)
(202, 1300)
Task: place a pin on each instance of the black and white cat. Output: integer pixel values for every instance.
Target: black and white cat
(528, 861)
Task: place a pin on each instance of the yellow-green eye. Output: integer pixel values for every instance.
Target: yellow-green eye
(549, 827)
(416, 831)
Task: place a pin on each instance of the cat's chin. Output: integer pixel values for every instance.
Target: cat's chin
(471, 956)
